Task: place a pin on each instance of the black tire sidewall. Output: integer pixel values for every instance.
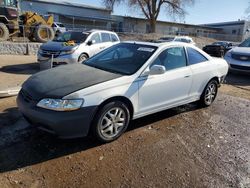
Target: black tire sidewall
(101, 113)
(202, 100)
(37, 36)
(6, 32)
(82, 55)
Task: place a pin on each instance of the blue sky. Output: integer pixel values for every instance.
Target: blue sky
(203, 11)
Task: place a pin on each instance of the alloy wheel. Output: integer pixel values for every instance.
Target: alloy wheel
(210, 93)
(113, 122)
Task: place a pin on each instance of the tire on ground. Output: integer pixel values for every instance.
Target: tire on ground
(44, 33)
(205, 100)
(82, 58)
(4, 32)
(99, 117)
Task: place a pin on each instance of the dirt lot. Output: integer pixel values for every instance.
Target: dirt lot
(182, 147)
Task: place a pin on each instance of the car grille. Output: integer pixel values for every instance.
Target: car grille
(49, 53)
(241, 57)
(26, 96)
(240, 67)
(55, 64)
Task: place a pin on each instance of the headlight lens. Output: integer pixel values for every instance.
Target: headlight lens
(60, 104)
(68, 52)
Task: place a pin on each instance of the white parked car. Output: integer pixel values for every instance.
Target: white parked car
(126, 81)
(74, 47)
(185, 39)
(239, 57)
(58, 28)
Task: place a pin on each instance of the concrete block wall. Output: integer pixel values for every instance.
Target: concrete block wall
(11, 48)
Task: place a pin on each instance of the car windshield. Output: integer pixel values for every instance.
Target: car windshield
(167, 38)
(245, 43)
(220, 43)
(123, 58)
(183, 40)
(77, 37)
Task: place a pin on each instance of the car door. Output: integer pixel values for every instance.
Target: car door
(96, 44)
(168, 89)
(201, 69)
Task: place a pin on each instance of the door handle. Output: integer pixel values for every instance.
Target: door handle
(187, 76)
(102, 47)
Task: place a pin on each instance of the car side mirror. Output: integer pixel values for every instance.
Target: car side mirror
(89, 43)
(157, 69)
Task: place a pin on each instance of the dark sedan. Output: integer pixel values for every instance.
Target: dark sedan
(218, 49)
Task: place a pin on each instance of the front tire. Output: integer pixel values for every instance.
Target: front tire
(111, 121)
(209, 94)
(82, 58)
(44, 33)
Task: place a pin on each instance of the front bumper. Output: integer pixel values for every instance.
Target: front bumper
(237, 65)
(70, 124)
(47, 62)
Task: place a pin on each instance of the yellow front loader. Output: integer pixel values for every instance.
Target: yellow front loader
(36, 27)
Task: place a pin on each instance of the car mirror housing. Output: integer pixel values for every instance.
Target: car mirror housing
(157, 69)
(89, 43)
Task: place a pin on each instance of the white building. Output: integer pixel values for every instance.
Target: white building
(73, 15)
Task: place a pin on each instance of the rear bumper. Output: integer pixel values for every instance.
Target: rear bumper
(70, 124)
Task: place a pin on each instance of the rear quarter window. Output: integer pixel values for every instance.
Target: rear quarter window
(114, 38)
(105, 37)
(195, 57)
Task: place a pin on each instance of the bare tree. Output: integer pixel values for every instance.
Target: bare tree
(152, 8)
(247, 11)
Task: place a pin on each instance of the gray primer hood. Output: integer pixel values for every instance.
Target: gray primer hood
(61, 81)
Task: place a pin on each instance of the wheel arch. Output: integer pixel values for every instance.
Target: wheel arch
(216, 78)
(83, 53)
(123, 99)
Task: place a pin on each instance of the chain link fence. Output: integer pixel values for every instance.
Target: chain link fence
(129, 33)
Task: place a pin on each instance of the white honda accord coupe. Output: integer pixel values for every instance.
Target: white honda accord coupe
(124, 82)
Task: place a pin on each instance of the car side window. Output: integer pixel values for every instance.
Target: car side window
(113, 38)
(195, 57)
(105, 37)
(96, 38)
(172, 58)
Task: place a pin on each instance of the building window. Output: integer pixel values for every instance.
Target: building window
(234, 32)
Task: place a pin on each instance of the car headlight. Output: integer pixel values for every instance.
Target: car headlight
(68, 51)
(60, 104)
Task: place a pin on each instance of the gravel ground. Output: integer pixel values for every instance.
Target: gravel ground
(182, 147)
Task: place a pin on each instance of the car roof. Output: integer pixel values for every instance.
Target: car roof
(99, 30)
(159, 44)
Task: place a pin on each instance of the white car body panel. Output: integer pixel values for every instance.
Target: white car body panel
(153, 93)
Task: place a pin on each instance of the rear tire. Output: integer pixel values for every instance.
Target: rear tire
(111, 121)
(44, 33)
(4, 32)
(209, 94)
